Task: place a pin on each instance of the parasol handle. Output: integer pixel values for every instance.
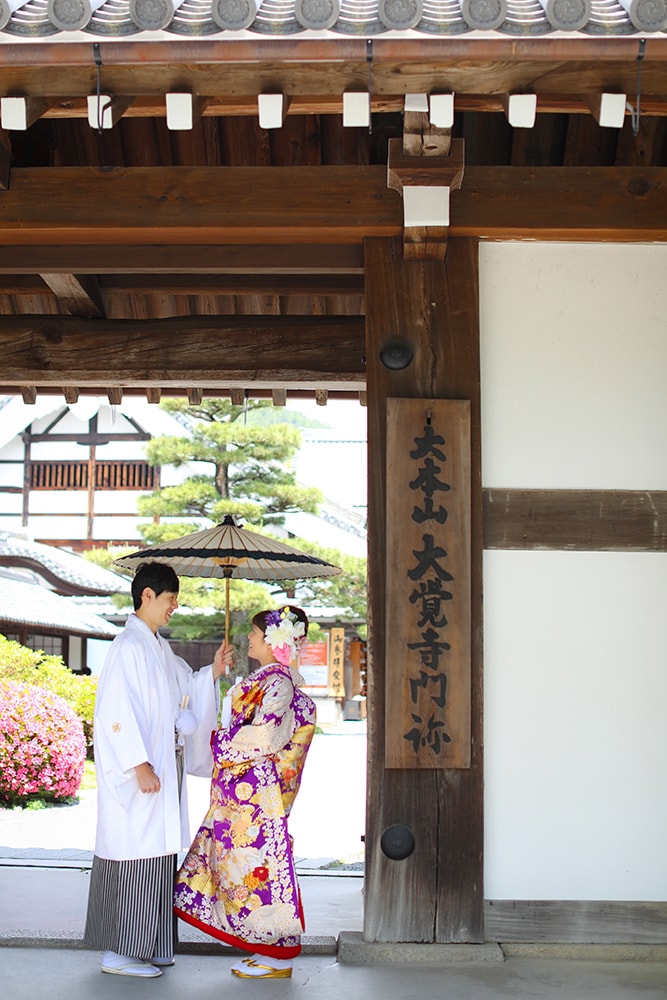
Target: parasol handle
(228, 574)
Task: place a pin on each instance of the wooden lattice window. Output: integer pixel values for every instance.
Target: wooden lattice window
(108, 476)
(59, 475)
(124, 476)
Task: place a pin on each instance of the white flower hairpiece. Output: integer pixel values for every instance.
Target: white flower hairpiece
(284, 634)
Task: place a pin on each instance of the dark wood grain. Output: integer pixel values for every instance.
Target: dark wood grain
(436, 893)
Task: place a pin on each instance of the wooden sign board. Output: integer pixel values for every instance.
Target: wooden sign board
(336, 663)
(314, 663)
(428, 640)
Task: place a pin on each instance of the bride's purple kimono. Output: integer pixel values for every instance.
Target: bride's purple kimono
(238, 881)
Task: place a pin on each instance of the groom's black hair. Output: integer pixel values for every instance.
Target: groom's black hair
(156, 575)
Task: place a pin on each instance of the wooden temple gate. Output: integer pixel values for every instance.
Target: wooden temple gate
(101, 236)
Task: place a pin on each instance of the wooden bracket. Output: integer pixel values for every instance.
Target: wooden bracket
(105, 111)
(424, 179)
(184, 110)
(19, 113)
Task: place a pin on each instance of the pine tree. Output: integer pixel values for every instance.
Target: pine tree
(236, 466)
(238, 462)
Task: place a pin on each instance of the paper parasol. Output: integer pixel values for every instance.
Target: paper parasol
(230, 551)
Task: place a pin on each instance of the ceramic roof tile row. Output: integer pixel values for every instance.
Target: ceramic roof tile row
(33, 606)
(66, 566)
(370, 18)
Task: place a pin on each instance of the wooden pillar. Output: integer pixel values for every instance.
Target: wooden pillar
(436, 893)
(27, 475)
(92, 476)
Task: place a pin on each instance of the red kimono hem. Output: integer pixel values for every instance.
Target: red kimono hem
(270, 950)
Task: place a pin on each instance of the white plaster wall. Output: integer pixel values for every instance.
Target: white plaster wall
(574, 363)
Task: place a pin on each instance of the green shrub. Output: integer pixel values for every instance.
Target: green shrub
(18, 663)
(42, 746)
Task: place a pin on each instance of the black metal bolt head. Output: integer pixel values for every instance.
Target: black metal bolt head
(397, 842)
(396, 354)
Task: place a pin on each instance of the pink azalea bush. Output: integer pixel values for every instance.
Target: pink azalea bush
(18, 663)
(42, 745)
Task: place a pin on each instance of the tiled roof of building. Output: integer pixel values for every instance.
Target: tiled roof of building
(64, 571)
(330, 18)
(31, 605)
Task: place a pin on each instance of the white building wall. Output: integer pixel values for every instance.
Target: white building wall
(56, 514)
(574, 357)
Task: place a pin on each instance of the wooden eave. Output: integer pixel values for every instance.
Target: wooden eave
(230, 258)
(314, 73)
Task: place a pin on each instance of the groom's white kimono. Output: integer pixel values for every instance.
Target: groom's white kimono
(138, 700)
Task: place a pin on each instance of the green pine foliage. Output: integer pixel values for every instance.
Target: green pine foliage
(348, 591)
(236, 467)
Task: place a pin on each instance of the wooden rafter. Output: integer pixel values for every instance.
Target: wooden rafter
(234, 106)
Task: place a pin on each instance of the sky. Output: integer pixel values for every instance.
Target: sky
(345, 415)
(334, 458)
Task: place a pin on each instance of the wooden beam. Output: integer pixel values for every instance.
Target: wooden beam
(5, 159)
(230, 205)
(78, 294)
(325, 260)
(582, 921)
(578, 520)
(197, 352)
(570, 203)
(218, 66)
(214, 54)
(197, 205)
(223, 284)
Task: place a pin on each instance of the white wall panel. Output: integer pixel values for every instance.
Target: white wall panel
(575, 734)
(574, 366)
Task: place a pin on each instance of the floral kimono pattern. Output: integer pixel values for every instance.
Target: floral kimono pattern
(238, 881)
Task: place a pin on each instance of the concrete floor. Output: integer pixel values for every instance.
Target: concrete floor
(65, 974)
(43, 895)
(47, 904)
(42, 910)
